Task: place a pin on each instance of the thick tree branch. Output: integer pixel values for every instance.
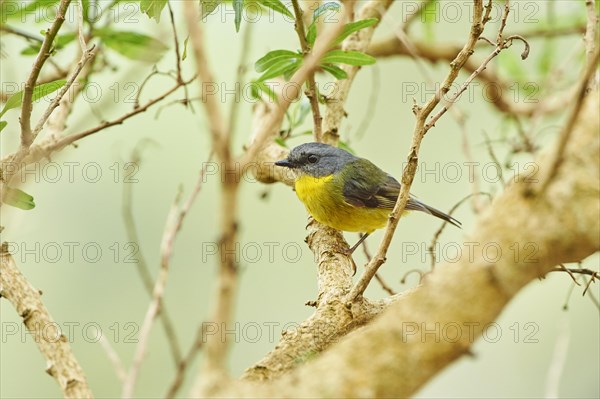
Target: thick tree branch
(53, 345)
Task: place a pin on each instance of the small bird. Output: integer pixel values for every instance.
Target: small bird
(346, 192)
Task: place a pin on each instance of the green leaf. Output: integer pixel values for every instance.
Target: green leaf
(19, 199)
(354, 27)
(311, 35)
(331, 6)
(336, 71)
(153, 8)
(428, 17)
(280, 68)
(3, 125)
(133, 45)
(355, 58)
(39, 91)
(274, 57)
(184, 55)
(280, 141)
(277, 6)
(208, 6)
(238, 7)
(43, 9)
(256, 87)
(287, 75)
(85, 10)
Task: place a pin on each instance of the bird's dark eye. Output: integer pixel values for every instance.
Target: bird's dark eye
(312, 158)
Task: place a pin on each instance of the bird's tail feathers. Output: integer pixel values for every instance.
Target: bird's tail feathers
(416, 205)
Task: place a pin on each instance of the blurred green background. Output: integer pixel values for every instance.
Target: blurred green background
(88, 290)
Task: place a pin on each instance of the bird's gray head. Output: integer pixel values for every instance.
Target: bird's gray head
(316, 159)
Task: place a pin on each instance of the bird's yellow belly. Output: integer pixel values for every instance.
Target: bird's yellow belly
(326, 204)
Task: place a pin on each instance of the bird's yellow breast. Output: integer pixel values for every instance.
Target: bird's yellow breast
(324, 200)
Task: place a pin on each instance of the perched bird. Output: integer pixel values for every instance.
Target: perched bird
(346, 192)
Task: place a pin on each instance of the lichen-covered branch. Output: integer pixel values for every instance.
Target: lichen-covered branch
(53, 345)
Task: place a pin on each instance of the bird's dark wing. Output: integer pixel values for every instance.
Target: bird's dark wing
(365, 185)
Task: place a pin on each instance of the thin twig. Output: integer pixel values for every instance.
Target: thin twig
(23, 34)
(172, 227)
(492, 154)
(413, 271)
(185, 363)
(501, 44)
(559, 359)
(81, 34)
(113, 357)
(78, 136)
(43, 54)
(176, 40)
(474, 179)
(85, 57)
(154, 72)
(379, 279)
(311, 90)
(591, 31)
(438, 233)
(569, 272)
(411, 167)
(559, 149)
(572, 271)
(142, 265)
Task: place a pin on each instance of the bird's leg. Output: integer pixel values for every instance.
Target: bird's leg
(362, 238)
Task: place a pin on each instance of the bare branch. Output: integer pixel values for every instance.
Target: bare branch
(311, 91)
(591, 31)
(113, 357)
(379, 279)
(176, 40)
(567, 129)
(43, 54)
(438, 233)
(140, 260)
(87, 55)
(53, 345)
(172, 227)
(23, 34)
(185, 363)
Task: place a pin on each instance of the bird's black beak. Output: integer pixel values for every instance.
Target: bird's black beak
(285, 163)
